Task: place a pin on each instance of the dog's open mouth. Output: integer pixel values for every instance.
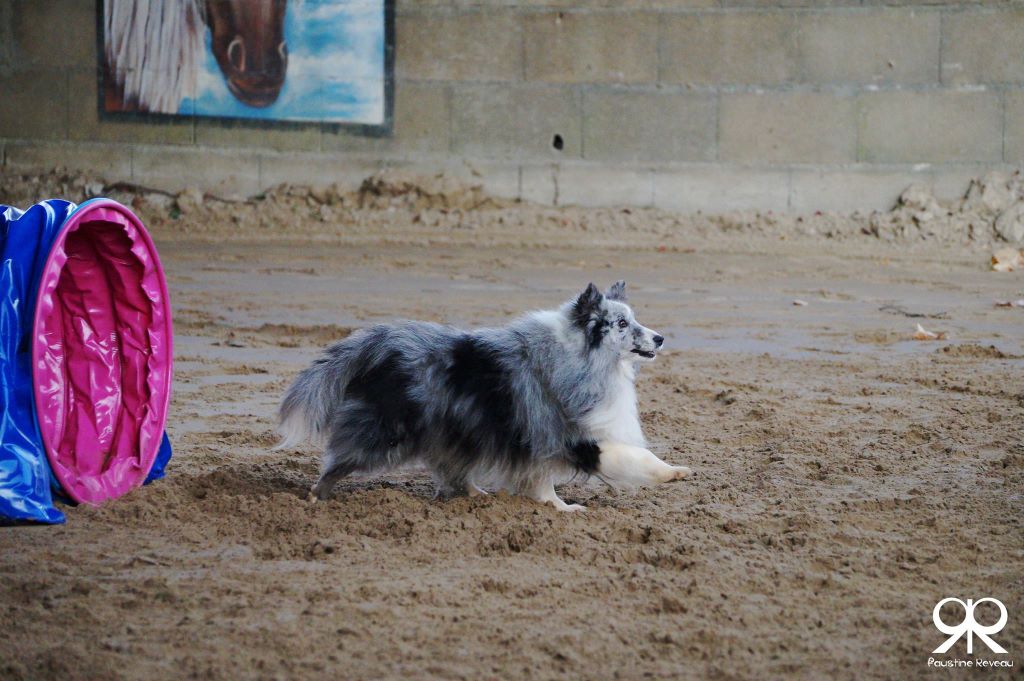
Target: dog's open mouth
(644, 353)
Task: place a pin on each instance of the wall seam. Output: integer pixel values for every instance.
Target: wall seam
(449, 91)
(858, 112)
(1004, 104)
(67, 103)
(940, 75)
(718, 126)
(581, 95)
(522, 48)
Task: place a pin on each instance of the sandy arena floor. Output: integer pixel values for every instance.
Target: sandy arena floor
(846, 477)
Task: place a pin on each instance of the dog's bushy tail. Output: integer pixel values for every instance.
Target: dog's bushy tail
(303, 411)
(307, 404)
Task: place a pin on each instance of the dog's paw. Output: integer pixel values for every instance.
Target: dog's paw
(571, 508)
(312, 498)
(680, 472)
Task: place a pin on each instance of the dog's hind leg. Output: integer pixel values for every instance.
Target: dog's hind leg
(329, 477)
(629, 465)
(448, 489)
(543, 490)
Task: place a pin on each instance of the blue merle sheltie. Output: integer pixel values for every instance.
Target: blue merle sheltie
(546, 398)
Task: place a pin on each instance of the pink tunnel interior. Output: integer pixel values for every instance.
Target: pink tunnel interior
(102, 353)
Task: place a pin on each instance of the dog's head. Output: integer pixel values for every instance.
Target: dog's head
(607, 324)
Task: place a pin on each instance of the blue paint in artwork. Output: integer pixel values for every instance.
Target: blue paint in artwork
(335, 67)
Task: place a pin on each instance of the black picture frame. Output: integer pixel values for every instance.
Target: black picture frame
(384, 129)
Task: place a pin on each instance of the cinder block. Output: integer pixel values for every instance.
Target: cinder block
(471, 45)
(876, 46)
(794, 3)
(865, 188)
(728, 48)
(577, 5)
(496, 178)
(515, 121)
(34, 104)
(950, 182)
(86, 124)
(316, 170)
(235, 173)
(983, 47)
(537, 183)
(860, 189)
(787, 127)
(604, 47)
(110, 162)
(407, 6)
(579, 184)
(719, 189)
(255, 135)
(621, 126)
(54, 32)
(414, 5)
(935, 127)
(421, 123)
(6, 39)
(925, 2)
(402, 6)
(1013, 143)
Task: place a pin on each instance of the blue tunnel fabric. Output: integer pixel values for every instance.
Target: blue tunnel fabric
(26, 238)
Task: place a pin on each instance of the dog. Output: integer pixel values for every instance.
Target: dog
(547, 398)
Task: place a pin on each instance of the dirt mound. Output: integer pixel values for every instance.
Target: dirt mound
(407, 208)
(992, 211)
(389, 188)
(974, 350)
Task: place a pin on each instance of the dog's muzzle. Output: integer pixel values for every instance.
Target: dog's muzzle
(649, 354)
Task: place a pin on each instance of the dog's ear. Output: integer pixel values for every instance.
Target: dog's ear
(588, 302)
(617, 291)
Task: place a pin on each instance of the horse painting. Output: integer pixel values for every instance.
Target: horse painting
(153, 49)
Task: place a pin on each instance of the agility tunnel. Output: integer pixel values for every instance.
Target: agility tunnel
(85, 357)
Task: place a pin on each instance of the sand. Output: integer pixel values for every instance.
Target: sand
(847, 477)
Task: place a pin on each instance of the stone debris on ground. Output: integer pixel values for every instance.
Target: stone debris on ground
(1008, 260)
(988, 216)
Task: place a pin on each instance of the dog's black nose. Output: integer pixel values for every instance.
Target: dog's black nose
(658, 340)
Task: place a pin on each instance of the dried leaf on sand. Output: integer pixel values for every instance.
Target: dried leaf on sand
(1007, 260)
(923, 334)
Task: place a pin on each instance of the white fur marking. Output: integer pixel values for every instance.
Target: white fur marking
(617, 419)
(624, 464)
(544, 492)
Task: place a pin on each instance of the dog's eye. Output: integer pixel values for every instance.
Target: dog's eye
(623, 323)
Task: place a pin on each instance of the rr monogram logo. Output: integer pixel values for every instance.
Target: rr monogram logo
(969, 625)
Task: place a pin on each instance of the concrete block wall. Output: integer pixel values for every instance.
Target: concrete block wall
(688, 105)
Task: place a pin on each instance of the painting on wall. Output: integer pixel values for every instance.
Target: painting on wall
(272, 60)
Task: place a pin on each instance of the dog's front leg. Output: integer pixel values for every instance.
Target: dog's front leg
(543, 490)
(630, 465)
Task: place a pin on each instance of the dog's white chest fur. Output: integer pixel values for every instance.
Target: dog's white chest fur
(617, 418)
